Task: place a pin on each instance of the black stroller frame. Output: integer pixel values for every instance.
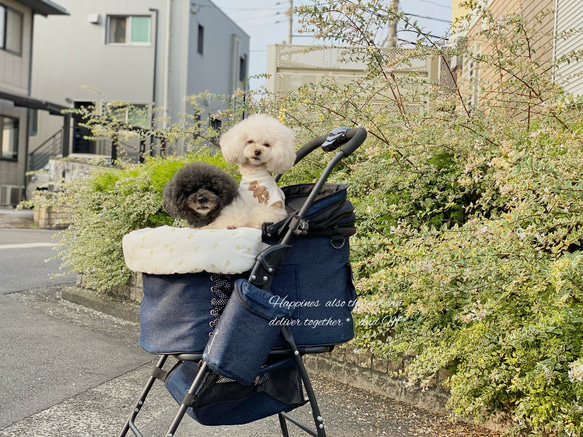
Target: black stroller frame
(261, 276)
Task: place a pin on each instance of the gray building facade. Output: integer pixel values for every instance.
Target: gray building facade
(148, 53)
(17, 24)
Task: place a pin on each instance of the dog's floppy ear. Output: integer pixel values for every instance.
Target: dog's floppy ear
(169, 200)
(283, 150)
(232, 144)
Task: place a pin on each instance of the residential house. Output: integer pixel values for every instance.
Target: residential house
(17, 26)
(147, 53)
(550, 18)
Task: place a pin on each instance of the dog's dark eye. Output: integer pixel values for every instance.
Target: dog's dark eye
(250, 141)
(266, 145)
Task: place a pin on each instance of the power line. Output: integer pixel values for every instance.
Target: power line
(429, 18)
(437, 4)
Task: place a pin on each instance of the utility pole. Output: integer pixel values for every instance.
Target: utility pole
(291, 21)
(392, 37)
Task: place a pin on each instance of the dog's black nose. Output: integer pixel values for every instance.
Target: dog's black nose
(257, 152)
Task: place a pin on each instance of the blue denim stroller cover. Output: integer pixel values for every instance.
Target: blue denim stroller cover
(331, 214)
(303, 282)
(314, 281)
(179, 312)
(245, 333)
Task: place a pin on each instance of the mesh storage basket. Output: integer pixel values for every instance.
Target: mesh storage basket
(222, 401)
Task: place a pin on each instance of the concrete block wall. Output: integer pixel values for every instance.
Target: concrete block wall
(362, 370)
(46, 217)
(130, 291)
(383, 377)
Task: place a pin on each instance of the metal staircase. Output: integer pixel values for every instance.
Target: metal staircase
(52, 147)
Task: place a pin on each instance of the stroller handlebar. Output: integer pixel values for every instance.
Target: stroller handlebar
(335, 139)
(355, 138)
(349, 139)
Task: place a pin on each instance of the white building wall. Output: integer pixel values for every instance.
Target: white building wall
(73, 63)
(569, 15)
(14, 69)
(12, 172)
(224, 45)
(71, 54)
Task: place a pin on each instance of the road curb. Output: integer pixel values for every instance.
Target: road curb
(106, 304)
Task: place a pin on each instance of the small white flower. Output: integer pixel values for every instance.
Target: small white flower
(576, 370)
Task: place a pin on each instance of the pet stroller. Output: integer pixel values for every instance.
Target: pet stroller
(238, 338)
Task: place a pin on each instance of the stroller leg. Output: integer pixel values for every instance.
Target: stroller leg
(288, 336)
(130, 422)
(186, 402)
(283, 425)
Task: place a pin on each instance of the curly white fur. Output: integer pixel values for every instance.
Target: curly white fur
(260, 142)
(260, 145)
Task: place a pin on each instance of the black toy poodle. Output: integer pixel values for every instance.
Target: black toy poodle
(198, 192)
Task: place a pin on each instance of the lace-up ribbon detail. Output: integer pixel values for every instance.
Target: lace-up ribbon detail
(222, 289)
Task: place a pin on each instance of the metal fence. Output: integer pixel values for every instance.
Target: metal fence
(292, 66)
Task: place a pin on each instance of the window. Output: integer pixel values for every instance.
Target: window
(9, 138)
(216, 124)
(2, 27)
(242, 68)
(200, 39)
(140, 29)
(134, 115)
(471, 75)
(83, 139)
(11, 30)
(134, 30)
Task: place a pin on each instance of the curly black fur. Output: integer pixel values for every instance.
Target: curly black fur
(194, 181)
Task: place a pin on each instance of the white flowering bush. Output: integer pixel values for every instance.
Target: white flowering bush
(468, 254)
(576, 371)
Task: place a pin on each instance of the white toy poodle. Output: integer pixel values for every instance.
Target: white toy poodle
(261, 146)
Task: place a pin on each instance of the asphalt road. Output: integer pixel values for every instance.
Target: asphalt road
(26, 260)
(47, 359)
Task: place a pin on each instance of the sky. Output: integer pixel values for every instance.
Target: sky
(266, 23)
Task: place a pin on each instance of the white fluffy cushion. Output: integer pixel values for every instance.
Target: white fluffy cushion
(168, 250)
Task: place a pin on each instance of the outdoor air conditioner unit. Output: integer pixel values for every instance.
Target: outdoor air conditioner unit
(10, 194)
